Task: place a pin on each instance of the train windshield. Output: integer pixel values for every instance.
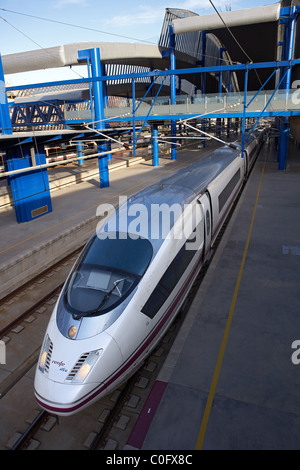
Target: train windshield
(106, 273)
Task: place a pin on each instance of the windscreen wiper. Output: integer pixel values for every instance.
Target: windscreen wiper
(108, 294)
(105, 298)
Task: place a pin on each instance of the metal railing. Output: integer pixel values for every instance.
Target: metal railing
(198, 105)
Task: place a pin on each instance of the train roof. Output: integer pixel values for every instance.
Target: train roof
(136, 215)
(188, 182)
(197, 176)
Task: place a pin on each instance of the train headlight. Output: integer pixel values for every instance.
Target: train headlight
(84, 366)
(45, 354)
(43, 360)
(83, 372)
(72, 332)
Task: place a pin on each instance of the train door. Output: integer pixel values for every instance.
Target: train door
(204, 200)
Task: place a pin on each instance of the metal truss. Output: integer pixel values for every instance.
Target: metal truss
(37, 114)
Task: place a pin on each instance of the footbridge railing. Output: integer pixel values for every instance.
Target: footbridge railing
(210, 105)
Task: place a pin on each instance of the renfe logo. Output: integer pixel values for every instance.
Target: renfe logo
(59, 363)
(2, 352)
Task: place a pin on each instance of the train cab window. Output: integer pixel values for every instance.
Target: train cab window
(106, 273)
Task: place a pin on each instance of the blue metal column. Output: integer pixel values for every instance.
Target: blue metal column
(288, 47)
(79, 151)
(203, 127)
(108, 144)
(155, 151)
(283, 146)
(96, 71)
(229, 86)
(99, 114)
(133, 118)
(173, 88)
(287, 54)
(220, 75)
(244, 113)
(203, 53)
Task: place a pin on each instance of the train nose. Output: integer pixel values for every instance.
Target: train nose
(65, 386)
(65, 400)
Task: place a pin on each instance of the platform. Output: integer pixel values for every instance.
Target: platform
(229, 381)
(29, 248)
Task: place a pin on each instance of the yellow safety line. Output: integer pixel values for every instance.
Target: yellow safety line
(226, 333)
(93, 207)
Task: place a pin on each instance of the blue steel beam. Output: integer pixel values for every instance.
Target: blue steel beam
(133, 118)
(93, 55)
(168, 117)
(80, 154)
(244, 111)
(262, 87)
(24, 114)
(286, 11)
(286, 74)
(283, 144)
(150, 88)
(192, 70)
(262, 112)
(288, 45)
(155, 151)
(173, 87)
(145, 120)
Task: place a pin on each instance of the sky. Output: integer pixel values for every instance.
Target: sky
(109, 21)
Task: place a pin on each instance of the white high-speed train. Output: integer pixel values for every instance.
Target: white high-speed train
(131, 279)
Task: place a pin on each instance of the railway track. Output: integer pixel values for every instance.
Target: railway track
(22, 302)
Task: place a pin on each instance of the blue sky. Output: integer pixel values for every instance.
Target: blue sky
(139, 20)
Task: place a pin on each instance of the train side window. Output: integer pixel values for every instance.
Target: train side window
(169, 279)
(252, 154)
(168, 282)
(155, 301)
(226, 193)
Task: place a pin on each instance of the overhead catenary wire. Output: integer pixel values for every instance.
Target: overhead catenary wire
(108, 137)
(64, 23)
(237, 42)
(228, 144)
(21, 32)
(230, 32)
(34, 42)
(48, 165)
(235, 39)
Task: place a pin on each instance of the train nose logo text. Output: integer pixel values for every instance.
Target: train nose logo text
(2, 352)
